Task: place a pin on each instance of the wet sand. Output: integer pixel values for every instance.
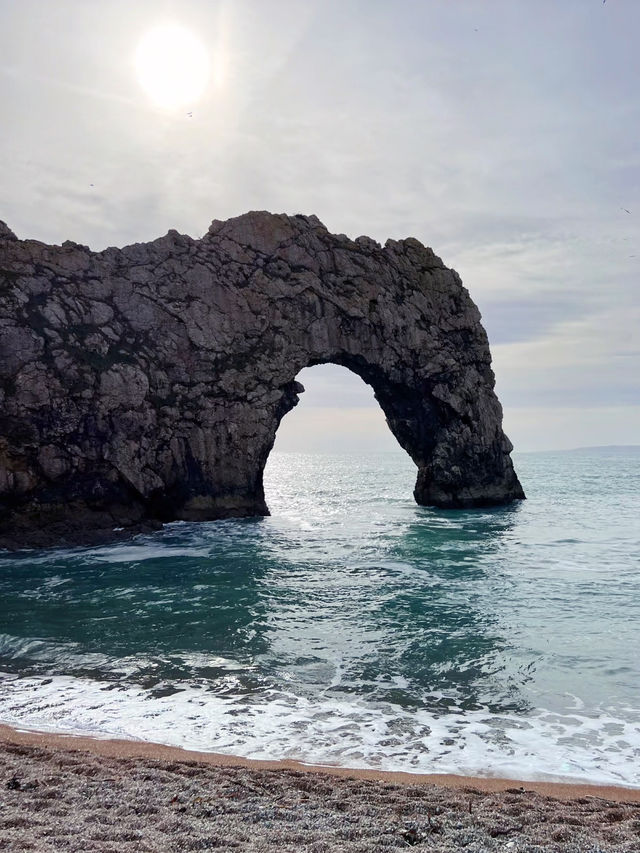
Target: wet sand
(83, 794)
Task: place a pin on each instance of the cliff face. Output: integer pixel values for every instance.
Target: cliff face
(145, 384)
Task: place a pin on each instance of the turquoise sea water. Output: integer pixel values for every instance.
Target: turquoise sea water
(353, 627)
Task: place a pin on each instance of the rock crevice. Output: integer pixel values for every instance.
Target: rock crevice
(145, 384)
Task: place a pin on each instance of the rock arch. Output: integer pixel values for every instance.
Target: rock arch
(147, 383)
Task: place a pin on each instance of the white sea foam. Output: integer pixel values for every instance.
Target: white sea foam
(270, 724)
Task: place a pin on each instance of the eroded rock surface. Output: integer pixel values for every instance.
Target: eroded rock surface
(145, 384)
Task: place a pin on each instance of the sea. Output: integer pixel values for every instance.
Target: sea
(353, 627)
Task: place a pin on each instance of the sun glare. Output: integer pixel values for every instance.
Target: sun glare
(172, 66)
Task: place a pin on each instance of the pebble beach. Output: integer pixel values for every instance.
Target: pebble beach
(79, 794)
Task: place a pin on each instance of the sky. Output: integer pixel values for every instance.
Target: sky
(502, 133)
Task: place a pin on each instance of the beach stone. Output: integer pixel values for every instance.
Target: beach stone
(146, 384)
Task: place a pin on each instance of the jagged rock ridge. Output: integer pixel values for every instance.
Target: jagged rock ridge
(145, 384)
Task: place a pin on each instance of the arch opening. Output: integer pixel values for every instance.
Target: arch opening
(334, 447)
(460, 459)
(337, 413)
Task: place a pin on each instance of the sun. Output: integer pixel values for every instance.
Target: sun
(172, 66)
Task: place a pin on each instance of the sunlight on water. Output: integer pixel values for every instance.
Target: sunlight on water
(352, 626)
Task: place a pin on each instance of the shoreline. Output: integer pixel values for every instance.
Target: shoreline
(64, 792)
(137, 749)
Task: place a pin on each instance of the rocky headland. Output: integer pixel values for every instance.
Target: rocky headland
(146, 384)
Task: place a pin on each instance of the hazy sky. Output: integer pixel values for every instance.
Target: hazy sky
(503, 133)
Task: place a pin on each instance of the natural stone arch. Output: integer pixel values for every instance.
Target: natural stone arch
(147, 383)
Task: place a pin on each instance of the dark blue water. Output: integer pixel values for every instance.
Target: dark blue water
(353, 627)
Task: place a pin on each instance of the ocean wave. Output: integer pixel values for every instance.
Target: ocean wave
(597, 748)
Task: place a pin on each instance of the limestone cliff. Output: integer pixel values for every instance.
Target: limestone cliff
(145, 384)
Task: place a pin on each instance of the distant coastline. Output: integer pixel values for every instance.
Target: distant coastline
(598, 448)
